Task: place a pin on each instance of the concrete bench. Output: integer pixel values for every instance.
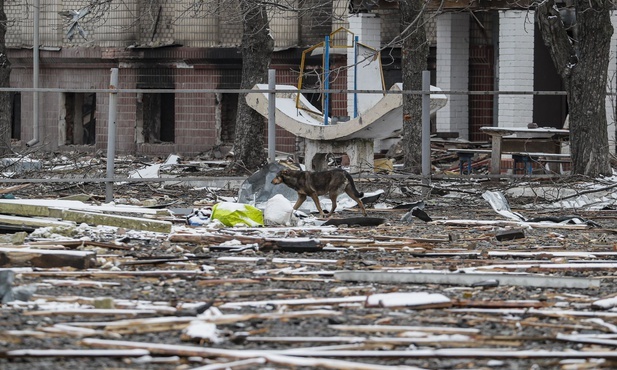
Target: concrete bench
(465, 156)
(547, 159)
(526, 158)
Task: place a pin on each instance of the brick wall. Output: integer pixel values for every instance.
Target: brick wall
(197, 128)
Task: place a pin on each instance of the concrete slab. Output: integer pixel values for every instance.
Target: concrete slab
(379, 122)
(355, 137)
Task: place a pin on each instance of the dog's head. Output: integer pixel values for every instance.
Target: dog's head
(285, 176)
(278, 179)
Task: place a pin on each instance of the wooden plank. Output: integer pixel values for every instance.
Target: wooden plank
(75, 353)
(75, 243)
(467, 352)
(399, 341)
(91, 312)
(249, 363)
(46, 258)
(80, 283)
(101, 274)
(272, 356)
(126, 222)
(404, 328)
(50, 207)
(78, 212)
(34, 222)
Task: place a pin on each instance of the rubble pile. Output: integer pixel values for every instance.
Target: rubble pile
(499, 276)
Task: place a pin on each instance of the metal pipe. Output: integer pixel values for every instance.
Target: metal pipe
(271, 116)
(355, 75)
(111, 135)
(35, 75)
(326, 107)
(426, 127)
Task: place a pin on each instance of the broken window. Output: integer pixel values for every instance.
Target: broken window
(228, 105)
(77, 119)
(156, 117)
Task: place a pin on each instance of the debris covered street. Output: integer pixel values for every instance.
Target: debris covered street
(528, 284)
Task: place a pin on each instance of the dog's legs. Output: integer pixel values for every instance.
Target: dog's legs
(301, 199)
(333, 197)
(354, 197)
(317, 204)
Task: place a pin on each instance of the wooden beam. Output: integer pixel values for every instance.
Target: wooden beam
(75, 353)
(134, 223)
(46, 258)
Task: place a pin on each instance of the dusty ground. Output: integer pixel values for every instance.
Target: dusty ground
(489, 324)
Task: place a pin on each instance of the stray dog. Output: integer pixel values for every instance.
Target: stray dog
(313, 184)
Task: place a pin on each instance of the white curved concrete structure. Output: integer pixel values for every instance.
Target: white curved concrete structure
(379, 122)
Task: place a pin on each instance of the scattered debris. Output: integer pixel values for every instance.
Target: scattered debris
(237, 214)
(499, 203)
(510, 234)
(459, 290)
(8, 293)
(359, 221)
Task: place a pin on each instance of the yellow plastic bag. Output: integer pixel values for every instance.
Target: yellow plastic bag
(237, 214)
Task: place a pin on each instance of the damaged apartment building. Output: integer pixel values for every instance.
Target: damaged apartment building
(187, 53)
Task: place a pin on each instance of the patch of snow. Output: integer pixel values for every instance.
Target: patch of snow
(203, 330)
(405, 299)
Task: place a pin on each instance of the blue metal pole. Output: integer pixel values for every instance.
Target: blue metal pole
(355, 76)
(326, 110)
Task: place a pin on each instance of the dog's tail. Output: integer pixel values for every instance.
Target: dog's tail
(359, 194)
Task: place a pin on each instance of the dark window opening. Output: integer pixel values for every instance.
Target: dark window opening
(16, 116)
(158, 114)
(229, 111)
(311, 81)
(79, 117)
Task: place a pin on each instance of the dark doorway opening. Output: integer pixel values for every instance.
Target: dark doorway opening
(79, 118)
(229, 111)
(158, 117)
(548, 110)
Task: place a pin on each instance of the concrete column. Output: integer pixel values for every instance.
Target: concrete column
(453, 71)
(516, 43)
(367, 27)
(359, 151)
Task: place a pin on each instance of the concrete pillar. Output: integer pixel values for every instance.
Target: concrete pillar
(453, 71)
(359, 151)
(367, 27)
(516, 47)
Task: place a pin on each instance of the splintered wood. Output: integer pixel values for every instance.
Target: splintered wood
(447, 294)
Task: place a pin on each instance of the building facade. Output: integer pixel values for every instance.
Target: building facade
(176, 57)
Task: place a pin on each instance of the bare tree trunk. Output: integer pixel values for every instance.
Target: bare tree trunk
(414, 55)
(5, 96)
(583, 66)
(257, 47)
